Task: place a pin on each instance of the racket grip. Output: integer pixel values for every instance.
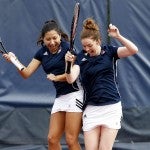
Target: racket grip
(16, 63)
(68, 68)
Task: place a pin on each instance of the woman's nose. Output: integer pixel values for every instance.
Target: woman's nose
(51, 42)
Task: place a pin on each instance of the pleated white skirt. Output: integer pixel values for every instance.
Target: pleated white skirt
(108, 115)
(71, 102)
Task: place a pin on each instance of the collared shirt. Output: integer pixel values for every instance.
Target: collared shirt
(55, 64)
(98, 77)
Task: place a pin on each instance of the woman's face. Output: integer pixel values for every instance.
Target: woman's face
(92, 47)
(52, 40)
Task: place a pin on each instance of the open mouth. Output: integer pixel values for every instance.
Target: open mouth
(91, 53)
(53, 48)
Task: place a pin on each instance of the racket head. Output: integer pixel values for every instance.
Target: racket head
(2, 48)
(74, 25)
(73, 33)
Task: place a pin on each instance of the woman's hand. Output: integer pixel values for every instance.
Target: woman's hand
(128, 48)
(8, 56)
(113, 31)
(70, 57)
(51, 77)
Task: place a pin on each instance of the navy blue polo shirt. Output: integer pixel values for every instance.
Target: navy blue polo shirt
(55, 64)
(98, 77)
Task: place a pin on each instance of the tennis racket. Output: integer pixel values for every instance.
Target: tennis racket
(13, 60)
(73, 33)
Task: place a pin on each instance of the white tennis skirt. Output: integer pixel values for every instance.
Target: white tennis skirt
(71, 102)
(108, 115)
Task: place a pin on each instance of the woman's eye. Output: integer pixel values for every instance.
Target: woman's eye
(90, 45)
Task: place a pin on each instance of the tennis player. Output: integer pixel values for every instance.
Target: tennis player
(66, 114)
(102, 107)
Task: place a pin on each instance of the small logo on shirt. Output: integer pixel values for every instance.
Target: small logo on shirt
(45, 53)
(83, 59)
(59, 50)
(102, 52)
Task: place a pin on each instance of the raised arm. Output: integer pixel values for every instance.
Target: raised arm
(128, 48)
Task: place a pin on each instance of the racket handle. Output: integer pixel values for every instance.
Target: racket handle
(16, 63)
(68, 68)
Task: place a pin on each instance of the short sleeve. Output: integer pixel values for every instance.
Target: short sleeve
(112, 51)
(38, 55)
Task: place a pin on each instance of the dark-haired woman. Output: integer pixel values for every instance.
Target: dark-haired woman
(102, 108)
(65, 115)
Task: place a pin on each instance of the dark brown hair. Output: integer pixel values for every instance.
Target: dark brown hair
(48, 26)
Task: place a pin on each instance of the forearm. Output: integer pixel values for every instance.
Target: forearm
(24, 73)
(130, 46)
(30, 69)
(73, 75)
(60, 78)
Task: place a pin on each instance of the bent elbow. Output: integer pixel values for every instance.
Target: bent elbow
(70, 81)
(25, 77)
(133, 51)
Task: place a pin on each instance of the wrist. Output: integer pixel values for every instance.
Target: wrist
(119, 37)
